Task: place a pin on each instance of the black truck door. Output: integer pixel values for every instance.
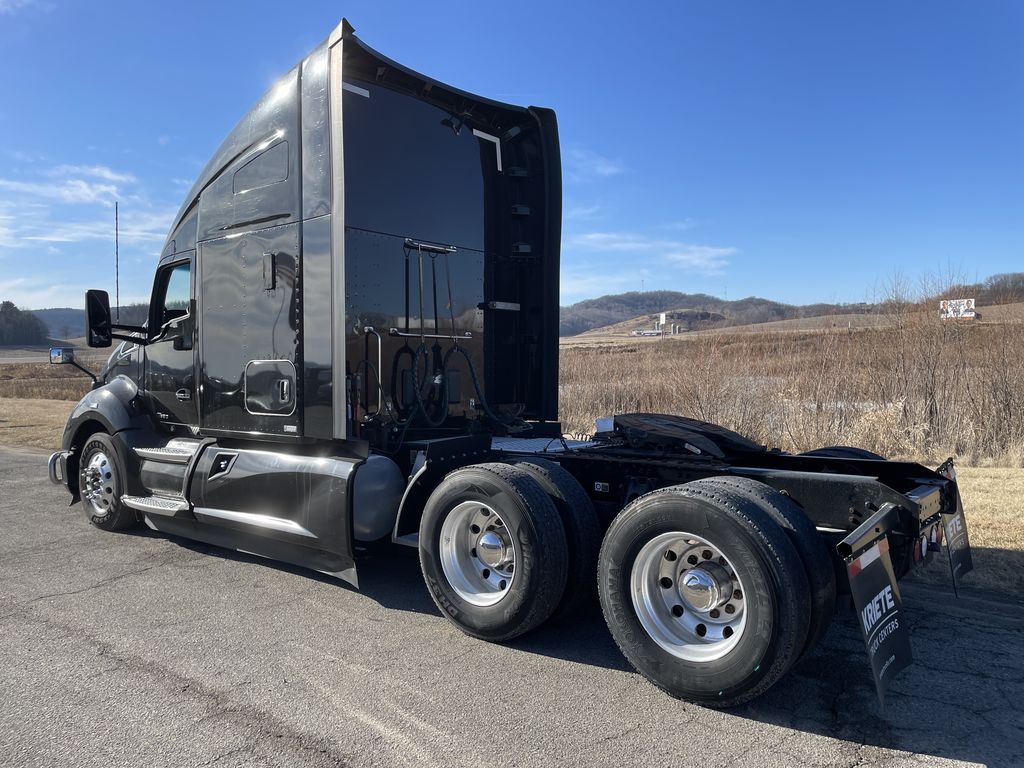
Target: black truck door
(170, 361)
(250, 333)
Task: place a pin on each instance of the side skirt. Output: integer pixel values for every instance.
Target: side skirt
(295, 554)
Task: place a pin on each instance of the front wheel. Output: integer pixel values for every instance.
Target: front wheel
(100, 484)
(493, 551)
(704, 593)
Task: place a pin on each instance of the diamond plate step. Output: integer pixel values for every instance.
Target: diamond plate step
(159, 505)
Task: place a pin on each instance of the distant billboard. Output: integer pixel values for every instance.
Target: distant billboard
(957, 309)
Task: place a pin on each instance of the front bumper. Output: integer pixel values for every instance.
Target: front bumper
(57, 467)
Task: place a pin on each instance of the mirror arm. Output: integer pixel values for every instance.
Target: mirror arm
(86, 371)
(137, 335)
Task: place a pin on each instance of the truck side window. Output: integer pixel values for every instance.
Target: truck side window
(176, 293)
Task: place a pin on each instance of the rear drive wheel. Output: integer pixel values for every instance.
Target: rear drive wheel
(704, 593)
(821, 575)
(582, 532)
(493, 551)
(100, 484)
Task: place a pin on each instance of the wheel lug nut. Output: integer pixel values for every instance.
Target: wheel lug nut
(706, 554)
(715, 613)
(670, 555)
(737, 595)
(702, 630)
(666, 582)
(692, 559)
(474, 528)
(677, 611)
(730, 608)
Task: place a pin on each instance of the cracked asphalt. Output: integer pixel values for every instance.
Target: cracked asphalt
(138, 649)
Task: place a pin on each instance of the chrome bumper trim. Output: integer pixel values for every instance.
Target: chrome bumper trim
(57, 468)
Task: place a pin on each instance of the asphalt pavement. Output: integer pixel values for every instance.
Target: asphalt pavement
(142, 650)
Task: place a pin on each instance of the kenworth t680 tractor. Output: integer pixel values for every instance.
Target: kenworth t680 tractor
(353, 338)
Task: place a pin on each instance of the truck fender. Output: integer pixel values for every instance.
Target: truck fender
(112, 408)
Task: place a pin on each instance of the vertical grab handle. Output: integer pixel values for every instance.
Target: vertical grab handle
(284, 393)
(380, 387)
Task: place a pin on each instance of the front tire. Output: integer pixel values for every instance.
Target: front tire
(493, 551)
(704, 593)
(101, 485)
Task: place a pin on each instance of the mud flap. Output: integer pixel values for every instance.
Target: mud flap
(880, 614)
(954, 528)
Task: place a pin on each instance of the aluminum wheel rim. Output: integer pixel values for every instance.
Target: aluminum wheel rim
(99, 484)
(478, 554)
(688, 597)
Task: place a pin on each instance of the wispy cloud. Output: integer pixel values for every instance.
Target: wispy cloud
(576, 285)
(681, 225)
(29, 292)
(57, 223)
(67, 191)
(135, 228)
(698, 258)
(93, 171)
(582, 212)
(72, 204)
(584, 165)
(10, 7)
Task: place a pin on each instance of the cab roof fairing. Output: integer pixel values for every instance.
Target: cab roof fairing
(360, 62)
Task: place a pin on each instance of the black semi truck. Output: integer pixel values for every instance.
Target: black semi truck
(353, 338)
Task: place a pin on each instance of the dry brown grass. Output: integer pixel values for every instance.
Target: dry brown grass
(918, 388)
(33, 423)
(42, 381)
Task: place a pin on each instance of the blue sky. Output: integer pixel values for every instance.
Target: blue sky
(798, 151)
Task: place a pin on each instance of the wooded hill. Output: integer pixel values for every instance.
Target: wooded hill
(617, 308)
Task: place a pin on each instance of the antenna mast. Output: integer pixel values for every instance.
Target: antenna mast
(117, 270)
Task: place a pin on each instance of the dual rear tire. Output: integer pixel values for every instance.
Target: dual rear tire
(505, 547)
(714, 589)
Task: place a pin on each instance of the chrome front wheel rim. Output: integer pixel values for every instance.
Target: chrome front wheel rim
(99, 484)
(478, 553)
(688, 597)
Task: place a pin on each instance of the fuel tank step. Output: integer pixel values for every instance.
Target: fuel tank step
(159, 505)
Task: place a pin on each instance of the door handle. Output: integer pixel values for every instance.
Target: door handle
(183, 394)
(283, 391)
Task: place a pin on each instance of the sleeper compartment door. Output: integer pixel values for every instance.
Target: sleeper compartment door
(250, 333)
